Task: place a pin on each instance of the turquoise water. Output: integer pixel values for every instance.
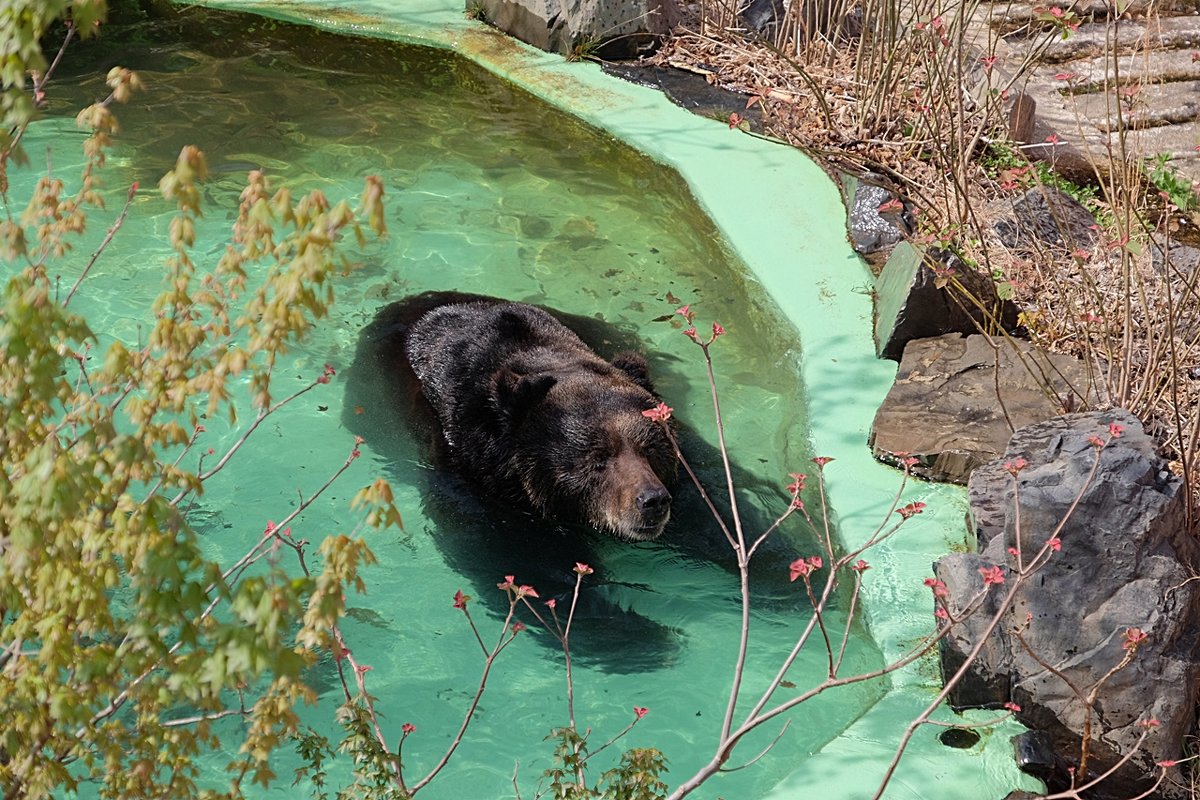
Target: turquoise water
(488, 191)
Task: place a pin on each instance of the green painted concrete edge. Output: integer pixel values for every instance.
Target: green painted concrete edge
(762, 197)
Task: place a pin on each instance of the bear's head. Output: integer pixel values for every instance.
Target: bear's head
(583, 451)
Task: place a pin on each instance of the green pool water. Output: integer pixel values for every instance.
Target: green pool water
(488, 190)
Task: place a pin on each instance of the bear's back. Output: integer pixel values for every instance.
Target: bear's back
(455, 349)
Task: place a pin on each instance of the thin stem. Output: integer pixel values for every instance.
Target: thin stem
(566, 646)
(474, 705)
(258, 420)
(112, 231)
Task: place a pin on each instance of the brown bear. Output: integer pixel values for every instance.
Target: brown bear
(529, 415)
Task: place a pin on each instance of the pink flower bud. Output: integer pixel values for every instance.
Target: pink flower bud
(660, 413)
(992, 576)
(1015, 466)
(803, 567)
(1133, 638)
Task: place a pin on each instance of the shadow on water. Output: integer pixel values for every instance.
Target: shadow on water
(483, 541)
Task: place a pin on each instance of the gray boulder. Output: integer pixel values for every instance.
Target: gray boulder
(1124, 564)
(1174, 258)
(611, 29)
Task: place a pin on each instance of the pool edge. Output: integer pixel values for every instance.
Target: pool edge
(809, 269)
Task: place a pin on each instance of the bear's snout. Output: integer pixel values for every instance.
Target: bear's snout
(632, 500)
(655, 503)
(654, 507)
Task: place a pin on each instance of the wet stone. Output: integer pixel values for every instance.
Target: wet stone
(1035, 755)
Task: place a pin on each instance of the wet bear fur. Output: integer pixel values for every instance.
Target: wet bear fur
(483, 537)
(530, 416)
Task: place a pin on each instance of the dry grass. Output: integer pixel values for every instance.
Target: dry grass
(814, 107)
(924, 109)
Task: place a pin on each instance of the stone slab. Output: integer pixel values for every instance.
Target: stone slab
(957, 399)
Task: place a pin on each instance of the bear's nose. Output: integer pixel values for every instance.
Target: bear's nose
(654, 501)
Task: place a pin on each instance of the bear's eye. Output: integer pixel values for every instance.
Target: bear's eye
(601, 451)
(600, 455)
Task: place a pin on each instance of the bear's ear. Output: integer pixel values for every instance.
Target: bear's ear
(510, 324)
(516, 394)
(633, 365)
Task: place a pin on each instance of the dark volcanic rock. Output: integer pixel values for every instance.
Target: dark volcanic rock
(957, 400)
(763, 16)
(1044, 217)
(1123, 567)
(1035, 755)
(872, 230)
(688, 90)
(909, 305)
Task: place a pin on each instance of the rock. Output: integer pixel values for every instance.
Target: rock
(1123, 566)
(951, 409)
(609, 29)
(909, 305)
(1174, 258)
(1085, 125)
(1034, 753)
(763, 16)
(1175, 265)
(870, 229)
(1043, 217)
